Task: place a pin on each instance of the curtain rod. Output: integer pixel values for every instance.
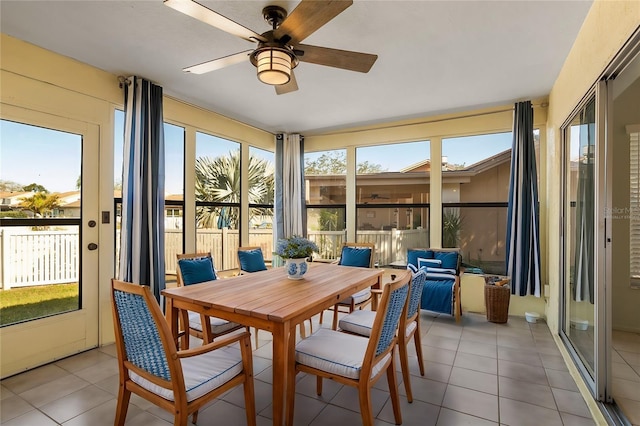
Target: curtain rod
(394, 126)
(122, 81)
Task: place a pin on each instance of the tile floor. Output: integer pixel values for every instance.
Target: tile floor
(625, 369)
(477, 373)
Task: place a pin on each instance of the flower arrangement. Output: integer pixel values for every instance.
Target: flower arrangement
(295, 247)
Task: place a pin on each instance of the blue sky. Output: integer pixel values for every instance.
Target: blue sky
(31, 154)
(464, 150)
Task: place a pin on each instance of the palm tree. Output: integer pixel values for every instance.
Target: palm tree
(40, 203)
(218, 181)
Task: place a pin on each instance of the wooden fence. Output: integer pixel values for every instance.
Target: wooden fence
(29, 258)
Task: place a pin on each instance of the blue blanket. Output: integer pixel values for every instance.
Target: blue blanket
(437, 295)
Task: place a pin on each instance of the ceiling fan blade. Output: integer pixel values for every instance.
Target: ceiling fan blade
(219, 63)
(308, 16)
(345, 59)
(291, 86)
(208, 16)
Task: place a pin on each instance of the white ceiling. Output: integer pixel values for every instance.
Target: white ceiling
(433, 56)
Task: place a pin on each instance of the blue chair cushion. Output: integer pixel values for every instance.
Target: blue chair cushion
(413, 255)
(196, 271)
(353, 256)
(429, 263)
(441, 271)
(449, 259)
(251, 260)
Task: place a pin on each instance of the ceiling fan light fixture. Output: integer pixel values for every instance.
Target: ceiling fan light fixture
(274, 66)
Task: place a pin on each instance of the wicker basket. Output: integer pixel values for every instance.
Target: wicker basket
(496, 299)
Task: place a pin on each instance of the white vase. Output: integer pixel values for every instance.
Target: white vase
(296, 268)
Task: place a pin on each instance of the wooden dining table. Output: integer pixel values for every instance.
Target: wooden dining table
(268, 300)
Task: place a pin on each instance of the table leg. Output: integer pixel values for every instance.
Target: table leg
(281, 336)
(374, 298)
(172, 319)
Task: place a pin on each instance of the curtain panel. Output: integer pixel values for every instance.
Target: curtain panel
(585, 210)
(290, 206)
(523, 223)
(142, 226)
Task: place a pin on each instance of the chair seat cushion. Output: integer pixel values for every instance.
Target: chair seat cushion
(218, 325)
(361, 322)
(410, 329)
(319, 351)
(202, 373)
(358, 322)
(359, 297)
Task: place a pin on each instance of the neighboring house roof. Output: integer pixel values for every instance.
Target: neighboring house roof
(485, 164)
(13, 198)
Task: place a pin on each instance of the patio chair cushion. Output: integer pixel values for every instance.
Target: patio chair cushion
(449, 259)
(319, 351)
(353, 256)
(429, 263)
(359, 297)
(413, 255)
(218, 325)
(358, 322)
(196, 271)
(202, 373)
(251, 260)
(441, 271)
(437, 294)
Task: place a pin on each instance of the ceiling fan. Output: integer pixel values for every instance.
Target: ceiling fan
(279, 49)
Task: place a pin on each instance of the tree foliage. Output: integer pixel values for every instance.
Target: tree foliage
(10, 186)
(335, 163)
(35, 187)
(218, 181)
(40, 203)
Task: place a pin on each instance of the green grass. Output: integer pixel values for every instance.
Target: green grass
(22, 304)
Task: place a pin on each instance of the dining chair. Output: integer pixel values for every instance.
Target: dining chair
(195, 268)
(361, 323)
(360, 255)
(250, 260)
(360, 361)
(180, 382)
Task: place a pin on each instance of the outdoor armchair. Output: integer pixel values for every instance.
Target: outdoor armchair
(441, 292)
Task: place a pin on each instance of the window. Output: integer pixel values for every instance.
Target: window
(217, 190)
(392, 198)
(41, 179)
(634, 206)
(261, 197)
(475, 195)
(326, 182)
